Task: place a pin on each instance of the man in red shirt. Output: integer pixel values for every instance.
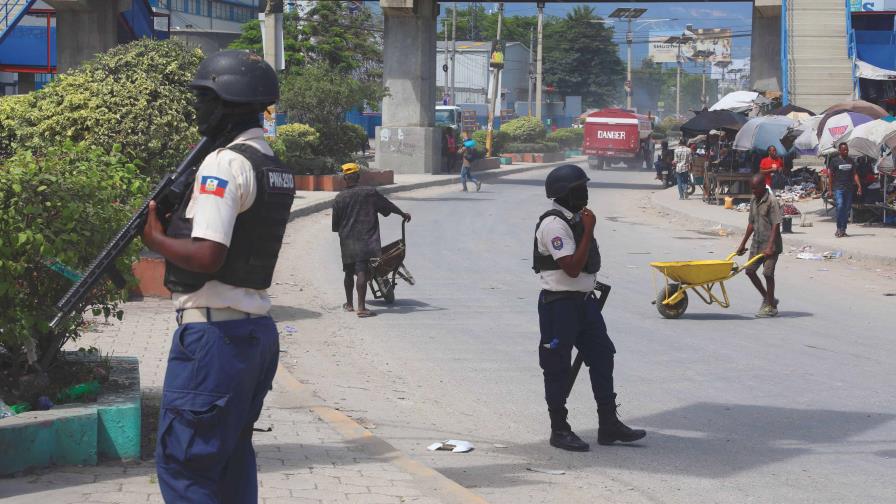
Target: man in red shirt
(771, 164)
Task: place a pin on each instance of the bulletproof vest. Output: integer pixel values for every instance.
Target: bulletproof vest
(257, 232)
(547, 263)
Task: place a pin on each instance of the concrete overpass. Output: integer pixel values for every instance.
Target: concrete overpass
(816, 69)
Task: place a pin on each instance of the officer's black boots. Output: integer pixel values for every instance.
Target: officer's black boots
(611, 429)
(567, 440)
(562, 435)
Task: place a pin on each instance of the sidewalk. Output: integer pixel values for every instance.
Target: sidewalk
(313, 453)
(870, 243)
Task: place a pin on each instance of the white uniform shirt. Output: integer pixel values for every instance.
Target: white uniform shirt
(555, 238)
(224, 188)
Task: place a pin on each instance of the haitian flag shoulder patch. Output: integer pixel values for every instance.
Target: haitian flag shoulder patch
(212, 185)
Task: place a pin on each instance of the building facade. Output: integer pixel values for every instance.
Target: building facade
(472, 75)
(210, 25)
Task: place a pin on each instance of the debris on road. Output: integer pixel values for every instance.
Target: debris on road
(553, 472)
(499, 445)
(452, 445)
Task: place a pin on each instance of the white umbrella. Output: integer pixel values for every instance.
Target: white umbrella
(807, 141)
(760, 133)
(837, 127)
(738, 101)
(867, 139)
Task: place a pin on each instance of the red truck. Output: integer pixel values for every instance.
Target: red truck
(618, 135)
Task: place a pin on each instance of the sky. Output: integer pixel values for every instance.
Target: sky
(734, 15)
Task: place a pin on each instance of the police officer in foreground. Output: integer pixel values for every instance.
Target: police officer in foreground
(220, 249)
(566, 257)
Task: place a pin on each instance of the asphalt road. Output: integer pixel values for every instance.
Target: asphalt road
(795, 409)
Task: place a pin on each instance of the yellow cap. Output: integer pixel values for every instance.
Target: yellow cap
(349, 168)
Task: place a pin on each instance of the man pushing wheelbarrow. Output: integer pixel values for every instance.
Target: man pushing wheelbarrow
(765, 226)
(703, 277)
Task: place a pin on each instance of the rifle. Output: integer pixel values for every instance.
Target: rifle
(168, 194)
(604, 291)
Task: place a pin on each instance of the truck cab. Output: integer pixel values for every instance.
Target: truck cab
(450, 116)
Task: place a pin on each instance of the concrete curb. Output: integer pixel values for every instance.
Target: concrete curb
(431, 482)
(875, 259)
(77, 434)
(326, 204)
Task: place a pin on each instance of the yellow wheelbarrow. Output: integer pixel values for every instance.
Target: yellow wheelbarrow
(699, 276)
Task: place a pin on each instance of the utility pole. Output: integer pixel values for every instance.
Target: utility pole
(453, 50)
(628, 81)
(531, 74)
(496, 83)
(538, 61)
(270, 55)
(445, 92)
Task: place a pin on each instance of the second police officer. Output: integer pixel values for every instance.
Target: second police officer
(220, 250)
(566, 258)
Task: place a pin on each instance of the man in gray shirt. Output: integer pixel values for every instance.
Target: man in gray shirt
(765, 227)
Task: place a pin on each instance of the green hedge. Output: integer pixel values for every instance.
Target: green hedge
(542, 147)
(526, 129)
(500, 139)
(135, 95)
(568, 138)
(294, 143)
(62, 206)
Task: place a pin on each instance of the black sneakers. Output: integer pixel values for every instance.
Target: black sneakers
(567, 440)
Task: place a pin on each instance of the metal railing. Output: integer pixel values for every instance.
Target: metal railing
(11, 11)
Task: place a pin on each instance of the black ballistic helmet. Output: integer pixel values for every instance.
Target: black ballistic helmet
(238, 77)
(562, 179)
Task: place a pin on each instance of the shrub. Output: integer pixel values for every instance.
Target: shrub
(14, 119)
(568, 138)
(340, 142)
(542, 147)
(135, 95)
(62, 206)
(500, 139)
(526, 129)
(295, 142)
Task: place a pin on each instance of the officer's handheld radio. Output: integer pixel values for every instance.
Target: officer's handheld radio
(167, 195)
(602, 291)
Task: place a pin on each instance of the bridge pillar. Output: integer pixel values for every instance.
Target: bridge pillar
(765, 59)
(84, 28)
(408, 141)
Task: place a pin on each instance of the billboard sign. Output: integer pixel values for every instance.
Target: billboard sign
(872, 5)
(714, 43)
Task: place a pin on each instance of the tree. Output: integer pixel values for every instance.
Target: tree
(319, 96)
(581, 59)
(349, 41)
(514, 28)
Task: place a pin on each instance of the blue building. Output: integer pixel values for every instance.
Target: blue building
(28, 45)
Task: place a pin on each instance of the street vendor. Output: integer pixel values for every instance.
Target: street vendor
(764, 226)
(771, 164)
(355, 218)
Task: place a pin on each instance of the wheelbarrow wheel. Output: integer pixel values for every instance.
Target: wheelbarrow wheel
(672, 311)
(387, 289)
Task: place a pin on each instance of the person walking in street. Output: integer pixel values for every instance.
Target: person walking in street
(220, 250)
(771, 164)
(684, 158)
(764, 225)
(566, 257)
(843, 178)
(355, 218)
(468, 155)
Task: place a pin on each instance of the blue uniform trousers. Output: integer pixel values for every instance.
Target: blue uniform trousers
(218, 375)
(570, 322)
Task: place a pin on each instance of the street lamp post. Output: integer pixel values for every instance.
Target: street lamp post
(629, 14)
